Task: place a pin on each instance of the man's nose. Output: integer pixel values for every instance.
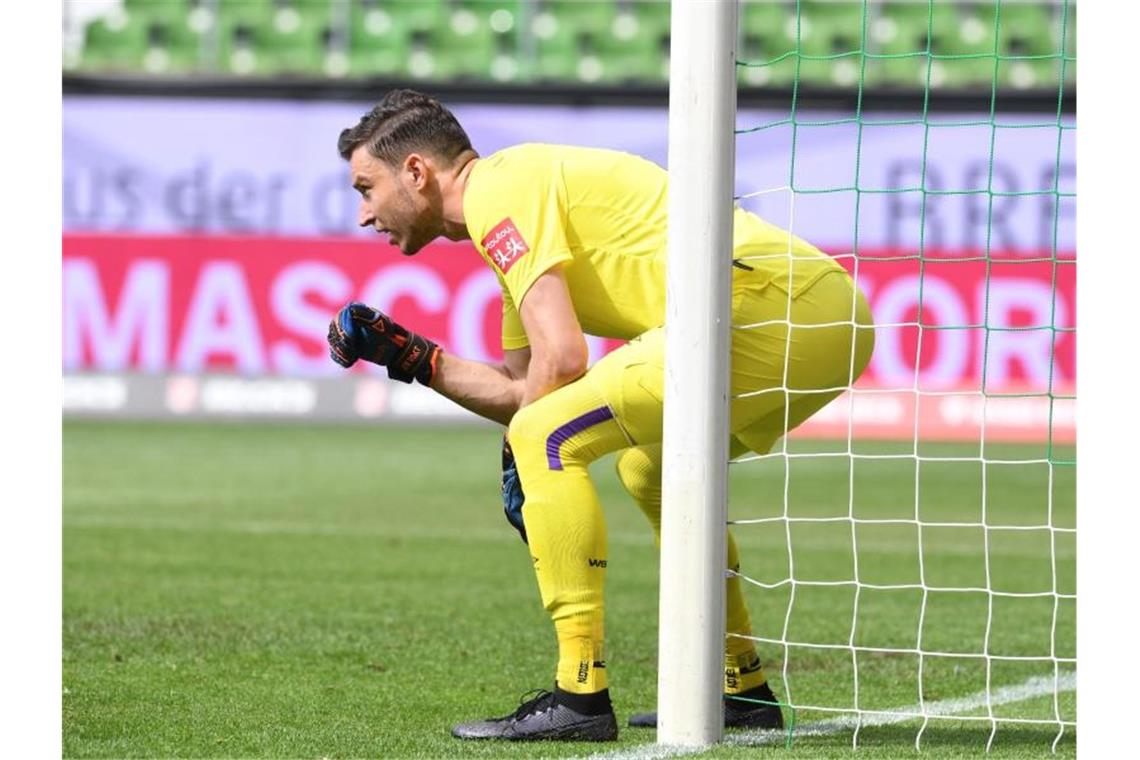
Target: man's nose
(364, 216)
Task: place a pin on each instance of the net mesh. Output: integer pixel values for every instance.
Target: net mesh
(911, 566)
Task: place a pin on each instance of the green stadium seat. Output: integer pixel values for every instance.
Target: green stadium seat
(1029, 25)
(487, 8)
(556, 50)
(145, 38)
(502, 16)
(654, 14)
(423, 61)
(635, 46)
(766, 17)
(241, 29)
(975, 39)
(165, 11)
(768, 25)
(582, 16)
(506, 64)
(592, 65)
(481, 39)
(429, 59)
(115, 43)
(173, 48)
(469, 39)
(275, 38)
(379, 41)
(831, 42)
(556, 62)
(899, 33)
(295, 38)
(1030, 44)
(249, 12)
(239, 49)
(570, 38)
(765, 38)
(422, 15)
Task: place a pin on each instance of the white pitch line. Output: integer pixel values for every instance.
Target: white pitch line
(1038, 686)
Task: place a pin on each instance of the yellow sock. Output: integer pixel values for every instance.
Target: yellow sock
(742, 669)
(742, 672)
(581, 658)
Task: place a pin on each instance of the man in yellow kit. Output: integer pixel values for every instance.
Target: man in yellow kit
(577, 238)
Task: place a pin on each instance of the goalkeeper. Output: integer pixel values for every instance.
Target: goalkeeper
(577, 239)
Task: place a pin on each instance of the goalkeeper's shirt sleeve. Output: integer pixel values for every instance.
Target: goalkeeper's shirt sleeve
(516, 214)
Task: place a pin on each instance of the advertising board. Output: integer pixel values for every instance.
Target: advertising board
(215, 239)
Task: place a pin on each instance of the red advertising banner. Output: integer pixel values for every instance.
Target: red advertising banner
(261, 306)
(952, 321)
(965, 415)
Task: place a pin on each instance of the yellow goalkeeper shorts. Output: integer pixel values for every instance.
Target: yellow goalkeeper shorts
(790, 357)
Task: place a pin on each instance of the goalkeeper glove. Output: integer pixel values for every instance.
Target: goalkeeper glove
(512, 490)
(361, 332)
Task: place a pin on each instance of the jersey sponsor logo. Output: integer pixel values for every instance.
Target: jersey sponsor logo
(505, 245)
(597, 562)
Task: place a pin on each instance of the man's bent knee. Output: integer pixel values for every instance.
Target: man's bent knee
(527, 425)
(640, 473)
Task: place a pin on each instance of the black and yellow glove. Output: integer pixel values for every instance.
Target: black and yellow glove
(361, 332)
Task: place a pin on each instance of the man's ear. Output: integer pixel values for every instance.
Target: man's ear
(417, 170)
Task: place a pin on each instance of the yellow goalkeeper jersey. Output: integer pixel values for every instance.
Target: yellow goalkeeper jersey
(601, 214)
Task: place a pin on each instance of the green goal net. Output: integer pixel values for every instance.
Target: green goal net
(909, 553)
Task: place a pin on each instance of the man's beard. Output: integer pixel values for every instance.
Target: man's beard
(413, 235)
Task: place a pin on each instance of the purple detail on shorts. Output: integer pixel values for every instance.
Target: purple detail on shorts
(576, 425)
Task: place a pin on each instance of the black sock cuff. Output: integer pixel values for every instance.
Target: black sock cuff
(594, 703)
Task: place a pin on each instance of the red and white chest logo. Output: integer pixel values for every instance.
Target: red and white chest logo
(505, 245)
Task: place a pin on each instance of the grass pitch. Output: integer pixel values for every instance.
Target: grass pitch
(275, 591)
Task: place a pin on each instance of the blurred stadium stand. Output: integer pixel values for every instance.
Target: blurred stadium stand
(573, 46)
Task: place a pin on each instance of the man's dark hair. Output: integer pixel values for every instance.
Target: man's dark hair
(402, 122)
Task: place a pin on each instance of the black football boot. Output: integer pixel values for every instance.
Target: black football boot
(549, 716)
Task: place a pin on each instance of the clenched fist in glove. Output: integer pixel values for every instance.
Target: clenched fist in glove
(361, 332)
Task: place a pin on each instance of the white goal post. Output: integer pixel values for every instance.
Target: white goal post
(702, 151)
